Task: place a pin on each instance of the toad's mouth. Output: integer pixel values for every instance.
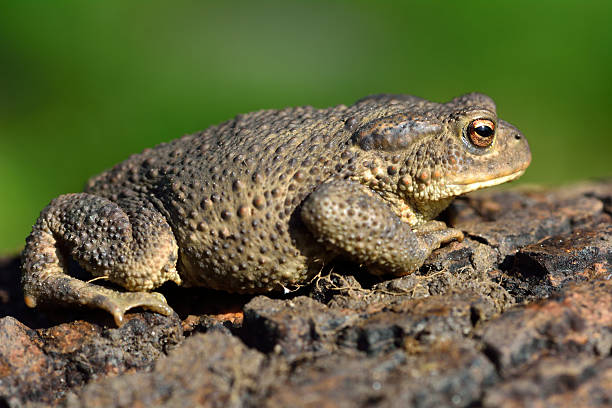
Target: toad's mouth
(477, 185)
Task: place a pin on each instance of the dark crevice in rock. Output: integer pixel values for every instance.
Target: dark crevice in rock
(507, 263)
(493, 355)
(480, 239)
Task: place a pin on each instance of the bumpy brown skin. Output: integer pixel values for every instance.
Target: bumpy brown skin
(260, 203)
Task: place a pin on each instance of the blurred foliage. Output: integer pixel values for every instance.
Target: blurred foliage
(85, 84)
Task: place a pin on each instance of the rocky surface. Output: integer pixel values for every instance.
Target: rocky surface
(518, 314)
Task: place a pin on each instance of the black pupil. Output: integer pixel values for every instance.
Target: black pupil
(484, 131)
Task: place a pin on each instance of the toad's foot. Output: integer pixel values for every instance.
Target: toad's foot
(95, 296)
(436, 233)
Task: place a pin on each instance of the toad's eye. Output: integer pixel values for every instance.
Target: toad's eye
(481, 132)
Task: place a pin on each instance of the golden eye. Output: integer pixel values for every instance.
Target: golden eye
(481, 132)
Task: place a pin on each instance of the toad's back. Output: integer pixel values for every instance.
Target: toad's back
(229, 193)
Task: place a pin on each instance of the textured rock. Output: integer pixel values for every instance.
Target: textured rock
(25, 370)
(578, 320)
(297, 328)
(518, 314)
(557, 382)
(582, 255)
(212, 370)
(445, 374)
(42, 365)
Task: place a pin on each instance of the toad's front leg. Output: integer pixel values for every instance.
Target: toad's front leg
(129, 243)
(355, 221)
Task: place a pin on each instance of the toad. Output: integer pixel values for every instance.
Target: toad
(261, 202)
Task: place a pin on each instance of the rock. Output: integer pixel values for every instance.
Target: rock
(578, 320)
(42, 365)
(557, 382)
(296, 328)
(26, 372)
(212, 370)
(444, 374)
(582, 255)
(519, 313)
(416, 323)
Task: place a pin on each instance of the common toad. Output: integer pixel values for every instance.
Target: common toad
(261, 202)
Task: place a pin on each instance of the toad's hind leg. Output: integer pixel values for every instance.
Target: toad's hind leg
(128, 242)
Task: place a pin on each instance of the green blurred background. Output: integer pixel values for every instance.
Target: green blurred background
(84, 84)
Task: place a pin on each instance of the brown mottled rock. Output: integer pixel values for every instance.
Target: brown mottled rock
(582, 255)
(304, 328)
(444, 374)
(208, 370)
(578, 320)
(25, 369)
(518, 314)
(508, 221)
(417, 323)
(42, 365)
(296, 328)
(557, 381)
